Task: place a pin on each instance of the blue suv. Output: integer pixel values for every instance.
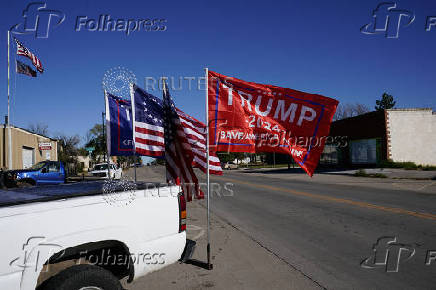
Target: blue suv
(45, 172)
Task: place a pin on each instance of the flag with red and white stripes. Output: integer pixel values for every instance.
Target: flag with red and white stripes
(179, 155)
(22, 50)
(195, 132)
(148, 129)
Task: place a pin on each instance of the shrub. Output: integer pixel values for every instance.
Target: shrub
(361, 173)
(406, 165)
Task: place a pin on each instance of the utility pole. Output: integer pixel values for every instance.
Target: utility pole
(274, 160)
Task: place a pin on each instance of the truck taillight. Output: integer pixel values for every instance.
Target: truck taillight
(182, 213)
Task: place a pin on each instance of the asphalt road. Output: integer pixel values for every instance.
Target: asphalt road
(326, 229)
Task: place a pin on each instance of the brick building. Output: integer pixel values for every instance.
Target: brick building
(400, 135)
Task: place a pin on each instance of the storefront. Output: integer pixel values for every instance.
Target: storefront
(27, 148)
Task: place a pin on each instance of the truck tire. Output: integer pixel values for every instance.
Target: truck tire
(82, 277)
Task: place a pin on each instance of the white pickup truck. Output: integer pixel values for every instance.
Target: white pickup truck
(74, 237)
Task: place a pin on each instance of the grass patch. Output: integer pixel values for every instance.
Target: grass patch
(406, 165)
(363, 173)
(254, 166)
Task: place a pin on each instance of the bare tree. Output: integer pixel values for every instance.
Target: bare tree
(69, 151)
(38, 128)
(348, 110)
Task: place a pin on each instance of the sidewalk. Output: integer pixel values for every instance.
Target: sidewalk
(239, 262)
(393, 173)
(396, 178)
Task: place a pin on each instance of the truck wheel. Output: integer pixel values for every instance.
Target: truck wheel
(82, 277)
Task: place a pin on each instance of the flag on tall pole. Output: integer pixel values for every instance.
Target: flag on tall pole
(251, 117)
(24, 69)
(209, 264)
(178, 151)
(22, 50)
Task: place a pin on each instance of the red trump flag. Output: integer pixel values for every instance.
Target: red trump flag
(251, 117)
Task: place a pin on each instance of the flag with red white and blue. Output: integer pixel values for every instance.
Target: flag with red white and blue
(179, 156)
(148, 127)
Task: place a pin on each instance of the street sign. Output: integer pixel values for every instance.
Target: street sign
(89, 149)
(44, 146)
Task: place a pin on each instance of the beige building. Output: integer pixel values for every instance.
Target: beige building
(27, 148)
(411, 135)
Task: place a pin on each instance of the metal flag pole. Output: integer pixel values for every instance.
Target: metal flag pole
(209, 265)
(134, 160)
(106, 114)
(132, 105)
(9, 108)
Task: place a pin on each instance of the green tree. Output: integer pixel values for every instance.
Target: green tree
(230, 156)
(68, 152)
(96, 138)
(386, 102)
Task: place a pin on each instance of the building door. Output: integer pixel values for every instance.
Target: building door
(28, 155)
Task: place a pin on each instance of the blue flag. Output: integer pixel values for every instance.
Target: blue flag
(119, 131)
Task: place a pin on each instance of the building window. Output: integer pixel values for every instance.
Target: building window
(363, 151)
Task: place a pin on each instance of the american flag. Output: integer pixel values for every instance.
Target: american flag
(22, 50)
(195, 132)
(179, 156)
(148, 124)
(149, 131)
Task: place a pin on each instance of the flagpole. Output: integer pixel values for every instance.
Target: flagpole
(9, 108)
(106, 114)
(209, 265)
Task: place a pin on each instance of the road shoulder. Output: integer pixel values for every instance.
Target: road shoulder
(239, 262)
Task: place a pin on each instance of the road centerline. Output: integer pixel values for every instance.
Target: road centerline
(335, 199)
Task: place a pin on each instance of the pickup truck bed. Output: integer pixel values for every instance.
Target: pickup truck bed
(47, 227)
(25, 195)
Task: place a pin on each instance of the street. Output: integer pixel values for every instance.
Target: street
(325, 227)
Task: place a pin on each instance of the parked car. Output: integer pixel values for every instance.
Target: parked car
(100, 170)
(230, 166)
(45, 172)
(70, 237)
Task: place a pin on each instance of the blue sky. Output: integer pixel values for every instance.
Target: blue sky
(312, 46)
